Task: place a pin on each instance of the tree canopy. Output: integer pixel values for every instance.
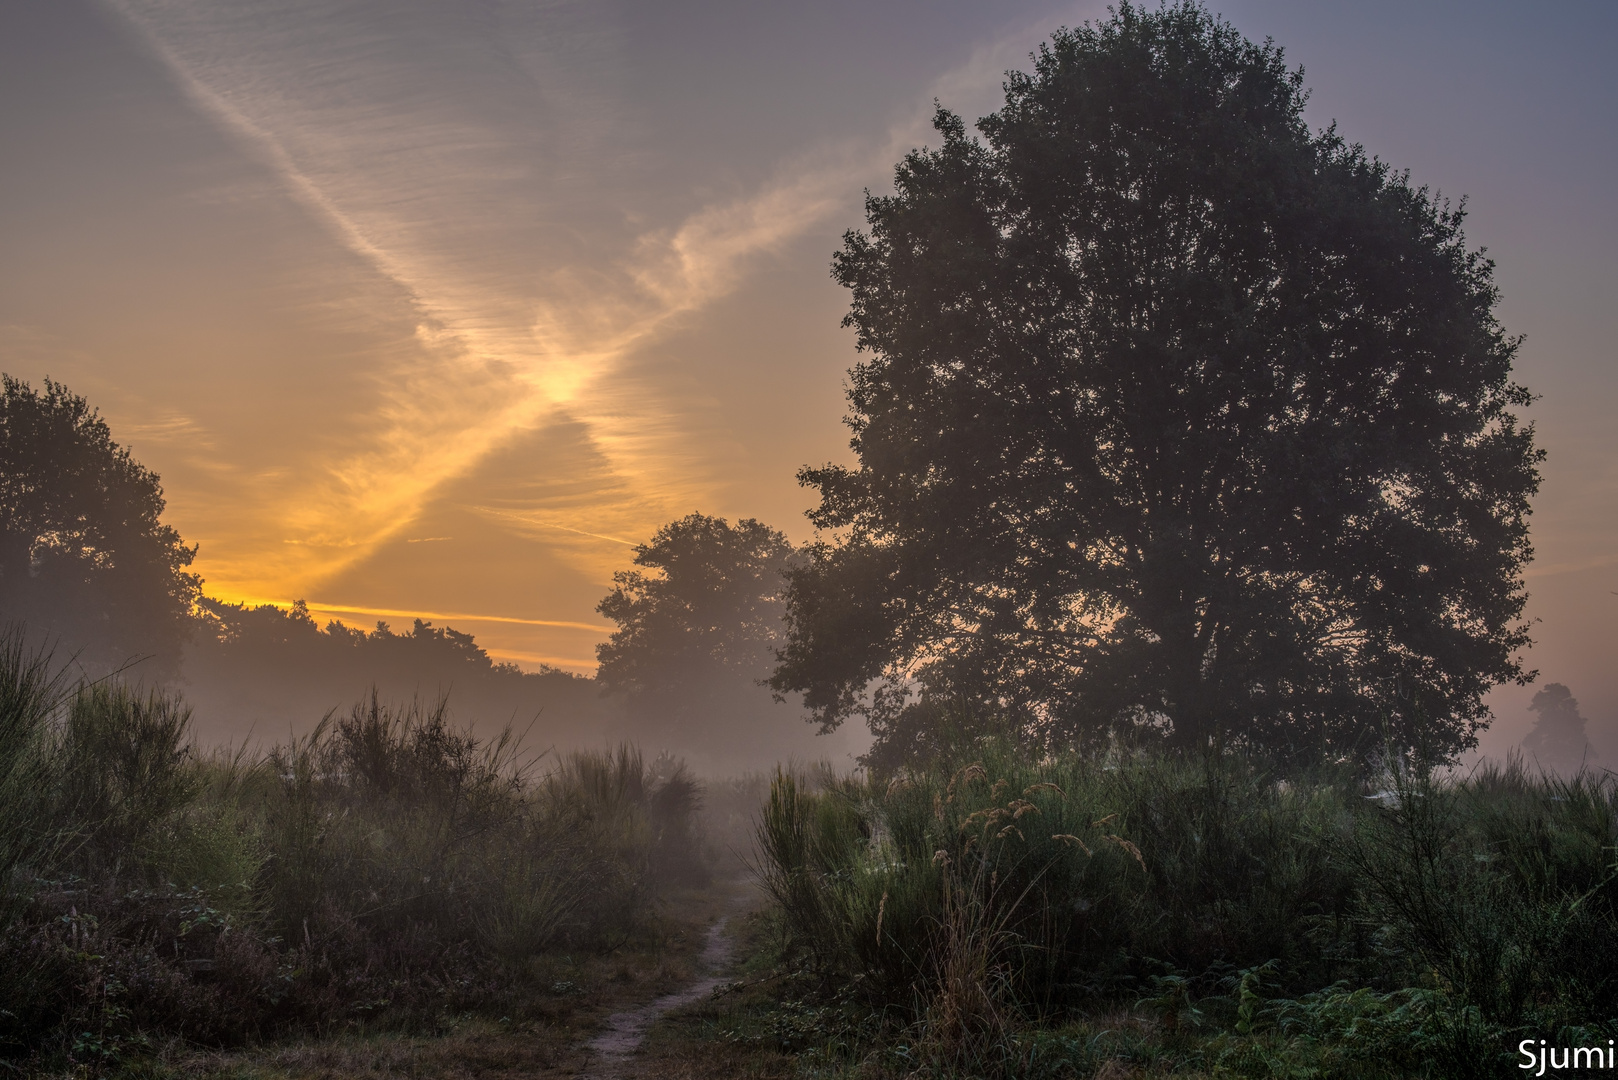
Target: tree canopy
(84, 555)
(1559, 740)
(1178, 419)
(705, 622)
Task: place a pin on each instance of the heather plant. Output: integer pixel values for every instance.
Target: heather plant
(1504, 885)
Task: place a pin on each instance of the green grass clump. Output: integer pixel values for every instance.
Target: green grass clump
(30, 691)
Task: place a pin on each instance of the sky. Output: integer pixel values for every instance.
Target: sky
(437, 307)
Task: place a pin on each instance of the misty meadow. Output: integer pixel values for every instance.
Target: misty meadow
(1153, 692)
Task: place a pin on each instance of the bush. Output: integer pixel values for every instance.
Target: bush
(1504, 885)
(1093, 874)
(1259, 927)
(123, 763)
(384, 870)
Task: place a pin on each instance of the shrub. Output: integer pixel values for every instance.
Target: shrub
(1255, 927)
(1093, 875)
(123, 764)
(384, 870)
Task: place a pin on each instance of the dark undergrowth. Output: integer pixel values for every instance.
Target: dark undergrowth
(998, 914)
(387, 872)
(1141, 915)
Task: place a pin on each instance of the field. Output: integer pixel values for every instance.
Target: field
(389, 896)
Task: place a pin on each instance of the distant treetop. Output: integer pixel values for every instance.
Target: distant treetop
(1559, 741)
(703, 612)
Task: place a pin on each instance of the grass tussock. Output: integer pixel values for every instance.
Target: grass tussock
(388, 871)
(1011, 916)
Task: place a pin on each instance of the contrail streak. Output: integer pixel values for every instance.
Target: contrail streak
(449, 190)
(500, 361)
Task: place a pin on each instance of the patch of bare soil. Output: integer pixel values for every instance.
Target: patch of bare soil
(626, 1030)
(723, 1035)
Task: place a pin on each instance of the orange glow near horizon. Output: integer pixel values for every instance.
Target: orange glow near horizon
(333, 610)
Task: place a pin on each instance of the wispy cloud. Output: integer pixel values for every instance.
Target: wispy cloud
(453, 199)
(170, 428)
(498, 359)
(1576, 566)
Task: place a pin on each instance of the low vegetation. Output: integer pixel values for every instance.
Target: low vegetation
(995, 915)
(388, 871)
(998, 912)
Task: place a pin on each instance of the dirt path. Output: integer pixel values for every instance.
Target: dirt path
(612, 1048)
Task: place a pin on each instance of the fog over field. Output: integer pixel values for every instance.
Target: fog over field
(718, 539)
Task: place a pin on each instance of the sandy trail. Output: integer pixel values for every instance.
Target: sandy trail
(625, 1030)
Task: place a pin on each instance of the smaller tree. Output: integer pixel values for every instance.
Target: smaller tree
(705, 626)
(1558, 741)
(84, 555)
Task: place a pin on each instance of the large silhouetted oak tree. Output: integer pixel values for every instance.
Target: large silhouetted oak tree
(85, 560)
(1178, 419)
